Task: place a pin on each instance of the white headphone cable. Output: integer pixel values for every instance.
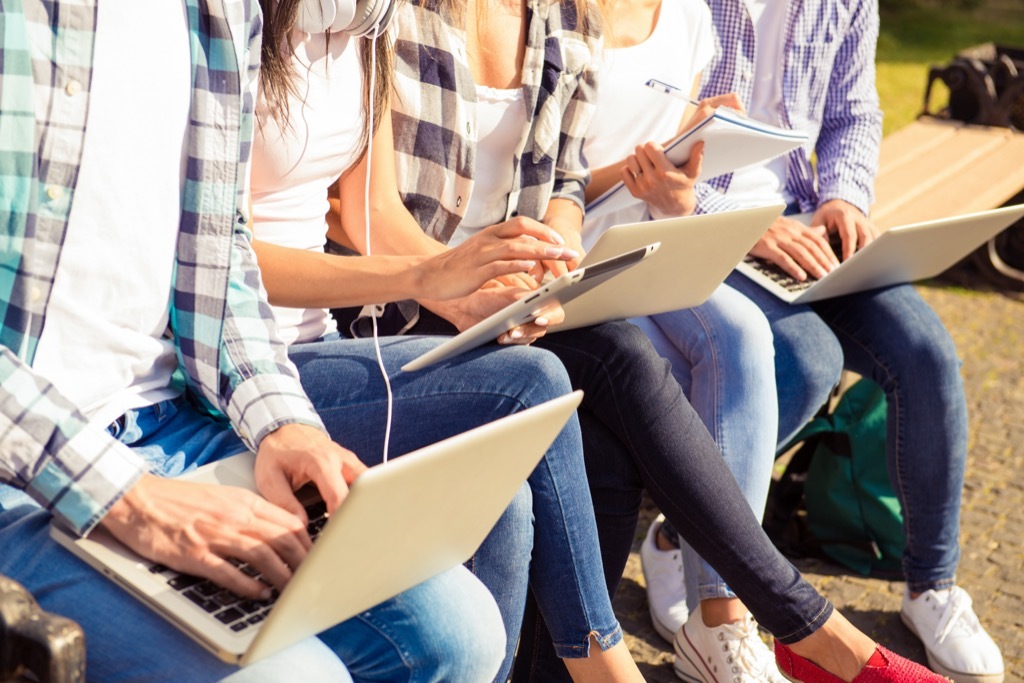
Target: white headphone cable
(366, 215)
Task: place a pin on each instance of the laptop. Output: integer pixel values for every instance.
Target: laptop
(696, 255)
(561, 290)
(402, 523)
(900, 254)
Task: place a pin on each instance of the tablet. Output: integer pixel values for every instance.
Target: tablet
(561, 290)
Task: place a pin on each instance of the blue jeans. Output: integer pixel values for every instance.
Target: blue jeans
(722, 356)
(127, 641)
(893, 337)
(639, 431)
(548, 537)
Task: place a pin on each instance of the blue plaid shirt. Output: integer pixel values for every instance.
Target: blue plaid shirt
(228, 354)
(828, 91)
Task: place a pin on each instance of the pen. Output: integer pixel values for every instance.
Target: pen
(670, 89)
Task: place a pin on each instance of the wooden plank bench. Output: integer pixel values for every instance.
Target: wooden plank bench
(936, 167)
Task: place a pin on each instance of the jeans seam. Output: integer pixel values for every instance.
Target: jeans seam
(565, 651)
(579, 583)
(816, 622)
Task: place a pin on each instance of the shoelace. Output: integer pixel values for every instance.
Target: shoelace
(748, 654)
(956, 613)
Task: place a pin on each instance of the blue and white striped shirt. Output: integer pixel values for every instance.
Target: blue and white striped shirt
(828, 91)
(228, 354)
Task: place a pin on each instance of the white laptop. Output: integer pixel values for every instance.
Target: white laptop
(696, 255)
(900, 254)
(402, 523)
(561, 290)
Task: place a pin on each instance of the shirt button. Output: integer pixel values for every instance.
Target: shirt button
(35, 294)
(458, 202)
(748, 73)
(73, 88)
(467, 127)
(55, 192)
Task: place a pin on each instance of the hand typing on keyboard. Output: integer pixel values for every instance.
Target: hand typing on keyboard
(849, 223)
(800, 250)
(212, 531)
(835, 232)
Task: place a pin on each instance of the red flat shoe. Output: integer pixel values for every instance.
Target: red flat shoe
(883, 667)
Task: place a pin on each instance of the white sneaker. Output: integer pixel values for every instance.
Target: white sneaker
(957, 645)
(666, 590)
(731, 652)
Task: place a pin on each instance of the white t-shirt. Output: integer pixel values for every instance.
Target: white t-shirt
(500, 121)
(103, 343)
(292, 168)
(627, 113)
(765, 183)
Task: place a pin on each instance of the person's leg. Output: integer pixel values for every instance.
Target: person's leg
(175, 439)
(125, 640)
(617, 492)
(722, 355)
(808, 357)
(446, 629)
(893, 337)
(632, 391)
(480, 386)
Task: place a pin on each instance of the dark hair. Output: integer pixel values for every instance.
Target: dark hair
(277, 76)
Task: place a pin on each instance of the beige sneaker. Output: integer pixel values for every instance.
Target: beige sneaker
(732, 653)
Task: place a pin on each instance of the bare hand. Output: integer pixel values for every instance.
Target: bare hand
(855, 229)
(515, 246)
(796, 248)
(568, 224)
(465, 312)
(667, 189)
(295, 455)
(707, 107)
(196, 528)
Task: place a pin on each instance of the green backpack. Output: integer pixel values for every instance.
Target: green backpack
(853, 515)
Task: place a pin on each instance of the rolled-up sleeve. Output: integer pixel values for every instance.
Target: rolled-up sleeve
(47, 448)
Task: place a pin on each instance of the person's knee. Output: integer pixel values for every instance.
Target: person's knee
(930, 353)
(542, 373)
(626, 352)
(815, 368)
(467, 642)
(742, 336)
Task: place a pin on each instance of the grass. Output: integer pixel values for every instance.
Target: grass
(918, 35)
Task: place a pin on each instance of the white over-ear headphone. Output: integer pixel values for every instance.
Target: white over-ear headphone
(354, 17)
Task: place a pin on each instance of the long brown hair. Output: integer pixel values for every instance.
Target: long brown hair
(277, 76)
(454, 11)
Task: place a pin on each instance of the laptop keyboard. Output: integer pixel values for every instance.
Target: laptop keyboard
(778, 275)
(233, 611)
(784, 279)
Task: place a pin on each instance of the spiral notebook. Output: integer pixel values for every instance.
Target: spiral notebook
(731, 141)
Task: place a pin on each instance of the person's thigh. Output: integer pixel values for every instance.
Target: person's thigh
(125, 640)
(724, 348)
(445, 629)
(345, 385)
(344, 382)
(808, 357)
